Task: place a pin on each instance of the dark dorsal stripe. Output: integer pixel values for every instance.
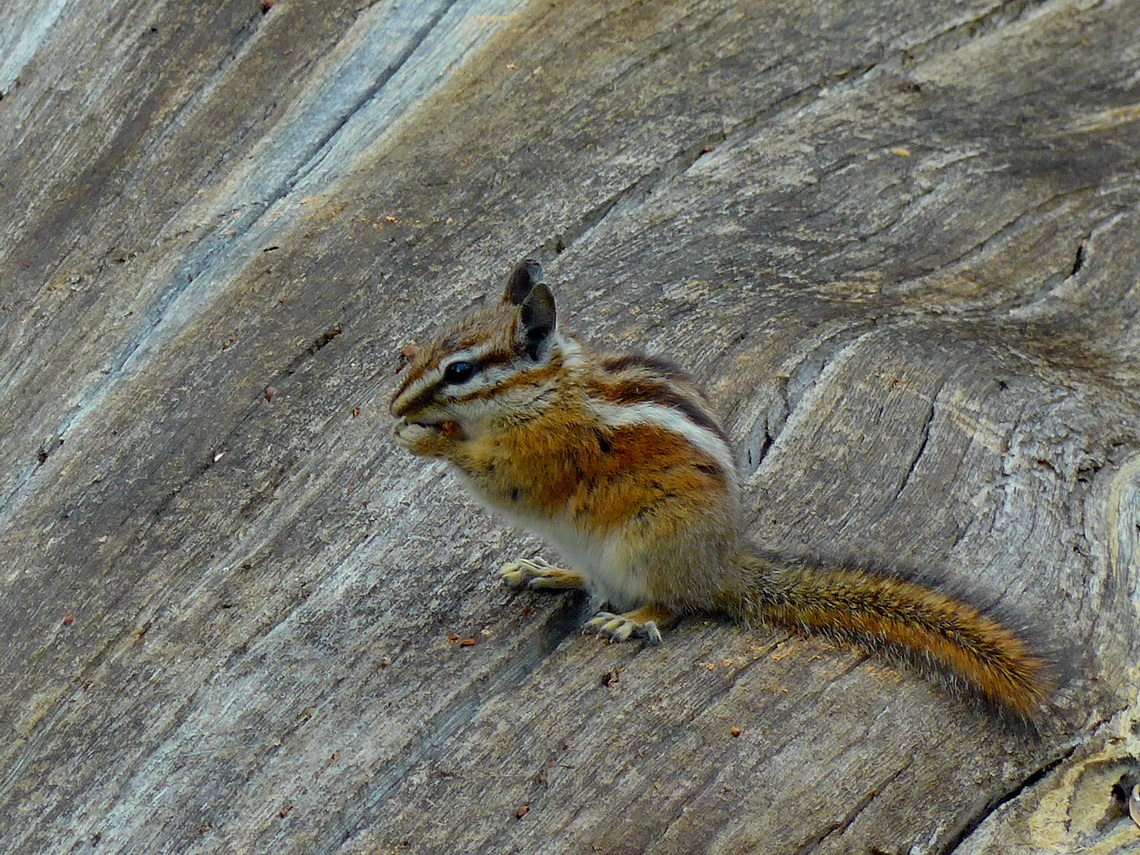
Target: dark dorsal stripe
(654, 364)
(653, 392)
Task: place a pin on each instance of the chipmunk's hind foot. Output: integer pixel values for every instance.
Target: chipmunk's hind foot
(640, 623)
(536, 574)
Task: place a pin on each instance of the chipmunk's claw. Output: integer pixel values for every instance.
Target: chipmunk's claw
(616, 628)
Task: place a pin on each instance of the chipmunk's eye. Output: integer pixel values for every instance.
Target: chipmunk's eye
(459, 372)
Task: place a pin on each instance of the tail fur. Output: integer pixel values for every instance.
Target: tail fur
(883, 612)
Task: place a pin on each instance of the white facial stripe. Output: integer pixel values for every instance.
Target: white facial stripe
(674, 421)
(413, 391)
(492, 375)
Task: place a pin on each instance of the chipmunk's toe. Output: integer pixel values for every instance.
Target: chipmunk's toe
(617, 628)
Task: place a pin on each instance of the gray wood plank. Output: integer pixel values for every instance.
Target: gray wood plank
(897, 242)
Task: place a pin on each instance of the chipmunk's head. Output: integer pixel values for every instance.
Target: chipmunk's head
(497, 363)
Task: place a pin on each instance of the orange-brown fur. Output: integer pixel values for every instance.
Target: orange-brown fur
(853, 605)
(649, 497)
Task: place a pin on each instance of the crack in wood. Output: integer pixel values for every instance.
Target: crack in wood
(439, 731)
(840, 826)
(1078, 260)
(798, 384)
(925, 431)
(1014, 792)
(320, 148)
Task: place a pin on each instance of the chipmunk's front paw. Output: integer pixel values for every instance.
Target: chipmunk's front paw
(537, 574)
(425, 440)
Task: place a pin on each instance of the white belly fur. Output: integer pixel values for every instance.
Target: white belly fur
(598, 559)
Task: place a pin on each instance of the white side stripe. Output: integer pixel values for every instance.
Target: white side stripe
(626, 415)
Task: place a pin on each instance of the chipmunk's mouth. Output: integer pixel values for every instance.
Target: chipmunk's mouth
(445, 427)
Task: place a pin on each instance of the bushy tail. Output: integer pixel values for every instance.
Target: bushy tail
(885, 613)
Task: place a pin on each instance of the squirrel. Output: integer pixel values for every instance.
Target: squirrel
(617, 461)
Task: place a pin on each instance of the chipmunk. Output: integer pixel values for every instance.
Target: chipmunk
(617, 461)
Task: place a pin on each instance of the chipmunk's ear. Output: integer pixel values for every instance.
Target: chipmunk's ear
(522, 281)
(537, 318)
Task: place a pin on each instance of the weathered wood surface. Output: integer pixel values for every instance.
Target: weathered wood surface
(899, 241)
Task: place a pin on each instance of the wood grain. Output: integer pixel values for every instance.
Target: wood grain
(899, 243)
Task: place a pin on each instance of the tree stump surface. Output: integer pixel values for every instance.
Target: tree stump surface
(898, 242)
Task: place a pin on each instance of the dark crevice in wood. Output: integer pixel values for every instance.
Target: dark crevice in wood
(917, 456)
(813, 843)
(1078, 260)
(799, 384)
(758, 447)
(1010, 795)
(311, 350)
(47, 450)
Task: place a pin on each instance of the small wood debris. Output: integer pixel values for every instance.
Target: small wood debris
(612, 677)
(332, 759)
